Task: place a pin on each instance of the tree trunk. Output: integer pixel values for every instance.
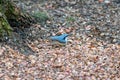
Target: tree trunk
(12, 16)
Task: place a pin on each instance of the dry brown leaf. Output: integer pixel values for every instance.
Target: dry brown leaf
(6, 77)
(57, 66)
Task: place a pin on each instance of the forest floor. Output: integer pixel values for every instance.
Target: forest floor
(93, 50)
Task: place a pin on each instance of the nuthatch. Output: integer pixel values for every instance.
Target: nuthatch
(62, 38)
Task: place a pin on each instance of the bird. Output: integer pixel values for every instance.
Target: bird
(61, 38)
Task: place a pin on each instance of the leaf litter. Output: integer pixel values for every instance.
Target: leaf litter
(92, 52)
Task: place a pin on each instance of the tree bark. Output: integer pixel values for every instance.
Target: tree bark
(12, 16)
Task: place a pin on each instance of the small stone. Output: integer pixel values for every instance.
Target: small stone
(107, 34)
(114, 40)
(102, 34)
(107, 1)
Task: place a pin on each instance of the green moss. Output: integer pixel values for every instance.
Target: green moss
(41, 17)
(11, 12)
(5, 28)
(70, 19)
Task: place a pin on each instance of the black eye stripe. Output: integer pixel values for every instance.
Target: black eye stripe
(65, 37)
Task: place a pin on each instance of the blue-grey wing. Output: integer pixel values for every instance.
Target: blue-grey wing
(54, 38)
